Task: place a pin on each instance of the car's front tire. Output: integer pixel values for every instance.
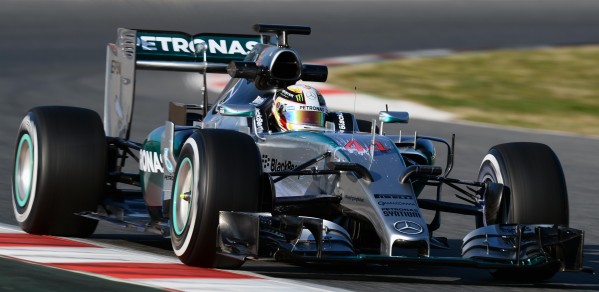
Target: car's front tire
(536, 193)
(534, 176)
(59, 170)
(217, 170)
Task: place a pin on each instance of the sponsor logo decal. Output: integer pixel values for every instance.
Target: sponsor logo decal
(274, 164)
(312, 108)
(353, 199)
(182, 45)
(115, 67)
(259, 121)
(408, 227)
(287, 94)
(383, 203)
(341, 121)
(150, 161)
(258, 101)
(295, 89)
(400, 197)
(295, 97)
(400, 212)
(311, 95)
(354, 146)
(169, 165)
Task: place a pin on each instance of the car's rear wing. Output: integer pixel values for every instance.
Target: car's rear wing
(162, 50)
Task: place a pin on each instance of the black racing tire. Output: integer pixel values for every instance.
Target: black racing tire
(535, 179)
(59, 170)
(217, 170)
(536, 193)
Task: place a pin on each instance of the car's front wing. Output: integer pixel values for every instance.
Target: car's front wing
(291, 239)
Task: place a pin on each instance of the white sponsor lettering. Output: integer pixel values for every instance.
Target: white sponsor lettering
(180, 45)
(250, 45)
(167, 44)
(148, 43)
(236, 48)
(312, 108)
(150, 161)
(258, 101)
(259, 121)
(164, 42)
(221, 46)
(341, 121)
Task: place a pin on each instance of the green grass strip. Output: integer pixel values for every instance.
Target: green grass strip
(552, 89)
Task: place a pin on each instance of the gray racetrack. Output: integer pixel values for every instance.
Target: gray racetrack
(52, 52)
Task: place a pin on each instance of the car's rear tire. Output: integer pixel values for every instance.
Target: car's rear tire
(59, 170)
(217, 170)
(537, 193)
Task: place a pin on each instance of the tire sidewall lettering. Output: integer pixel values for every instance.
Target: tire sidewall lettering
(492, 161)
(491, 170)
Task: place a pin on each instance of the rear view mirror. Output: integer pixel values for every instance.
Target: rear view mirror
(394, 117)
(237, 110)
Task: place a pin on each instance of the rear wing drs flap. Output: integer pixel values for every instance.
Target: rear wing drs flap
(162, 50)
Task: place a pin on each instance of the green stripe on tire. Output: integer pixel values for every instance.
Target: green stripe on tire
(23, 181)
(177, 200)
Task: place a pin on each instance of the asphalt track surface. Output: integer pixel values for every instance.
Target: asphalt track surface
(52, 52)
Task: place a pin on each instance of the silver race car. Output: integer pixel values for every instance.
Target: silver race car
(225, 183)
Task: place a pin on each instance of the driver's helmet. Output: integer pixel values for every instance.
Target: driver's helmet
(299, 107)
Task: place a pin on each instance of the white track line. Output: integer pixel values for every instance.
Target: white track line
(126, 265)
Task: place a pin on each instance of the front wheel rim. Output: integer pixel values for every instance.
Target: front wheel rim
(23, 177)
(183, 197)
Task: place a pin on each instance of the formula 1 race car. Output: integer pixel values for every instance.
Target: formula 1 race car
(226, 187)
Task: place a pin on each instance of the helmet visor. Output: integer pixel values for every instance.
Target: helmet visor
(311, 118)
